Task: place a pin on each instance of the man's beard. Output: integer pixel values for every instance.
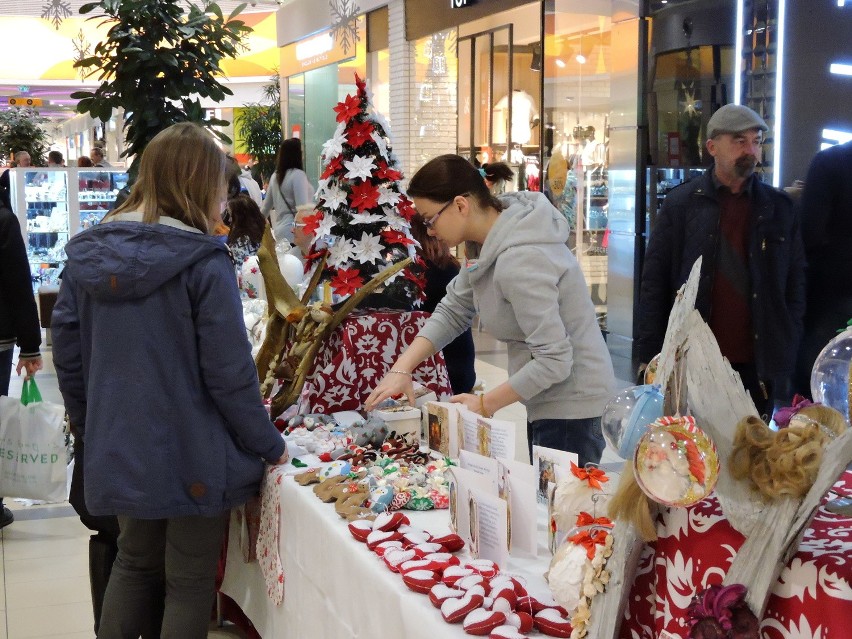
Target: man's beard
(745, 165)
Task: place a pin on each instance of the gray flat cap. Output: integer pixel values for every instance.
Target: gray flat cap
(734, 118)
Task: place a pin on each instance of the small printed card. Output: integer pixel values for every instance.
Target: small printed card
(460, 482)
(516, 485)
(550, 464)
(480, 465)
(488, 527)
(443, 420)
(488, 437)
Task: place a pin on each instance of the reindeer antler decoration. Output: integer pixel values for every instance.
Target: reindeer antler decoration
(295, 330)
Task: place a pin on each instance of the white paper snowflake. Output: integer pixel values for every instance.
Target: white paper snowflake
(334, 197)
(388, 195)
(368, 249)
(340, 253)
(334, 146)
(344, 26)
(360, 168)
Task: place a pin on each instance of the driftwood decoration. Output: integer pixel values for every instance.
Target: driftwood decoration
(295, 330)
(692, 364)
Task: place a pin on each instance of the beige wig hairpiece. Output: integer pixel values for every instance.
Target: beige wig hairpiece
(631, 504)
(784, 462)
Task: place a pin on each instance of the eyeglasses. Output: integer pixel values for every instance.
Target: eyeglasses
(430, 223)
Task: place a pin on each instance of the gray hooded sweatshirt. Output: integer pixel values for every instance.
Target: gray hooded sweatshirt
(529, 292)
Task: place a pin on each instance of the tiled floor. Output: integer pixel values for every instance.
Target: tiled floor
(44, 567)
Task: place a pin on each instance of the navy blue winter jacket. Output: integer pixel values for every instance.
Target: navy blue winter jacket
(157, 374)
(687, 228)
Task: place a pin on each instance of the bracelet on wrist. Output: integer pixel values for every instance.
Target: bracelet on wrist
(482, 410)
(400, 373)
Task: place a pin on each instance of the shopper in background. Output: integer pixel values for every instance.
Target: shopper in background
(826, 214)
(289, 190)
(529, 292)
(97, 157)
(84, 162)
(751, 290)
(441, 269)
(18, 314)
(246, 224)
(302, 242)
(249, 185)
(158, 379)
(23, 160)
(55, 159)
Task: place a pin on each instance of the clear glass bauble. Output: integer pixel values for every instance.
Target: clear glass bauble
(831, 377)
(651, 370)
(676, 463)
(628, 414)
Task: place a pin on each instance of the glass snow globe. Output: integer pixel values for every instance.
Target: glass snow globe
(628, 414)
(831, 377)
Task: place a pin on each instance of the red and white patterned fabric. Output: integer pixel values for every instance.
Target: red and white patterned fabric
(359, 353)
(269, 534)
(811, 600)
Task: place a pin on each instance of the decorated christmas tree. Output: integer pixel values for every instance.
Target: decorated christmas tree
(361, 223)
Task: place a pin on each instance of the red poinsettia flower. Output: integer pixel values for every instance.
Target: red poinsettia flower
(406, 208)
(332, 167)
(396, 237)
(347, 281)
(359, 133)
(418, 279)
(312, 222)
(384, 172)
(364, 196)
(348, 109)
(311, 258)
(361, 84)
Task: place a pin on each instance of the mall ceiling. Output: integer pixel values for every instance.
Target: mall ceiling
(58, 105)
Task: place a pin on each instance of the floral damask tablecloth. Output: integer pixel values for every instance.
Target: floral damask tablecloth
(359, 353)
(811, 600)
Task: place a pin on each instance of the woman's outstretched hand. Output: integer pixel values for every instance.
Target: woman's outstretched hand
(392, 385)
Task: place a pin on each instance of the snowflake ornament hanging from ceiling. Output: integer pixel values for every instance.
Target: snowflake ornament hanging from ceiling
(81, 52)
(344, 26)
(56, 11)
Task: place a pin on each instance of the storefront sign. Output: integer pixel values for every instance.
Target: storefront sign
(460, 4)
(318, 51)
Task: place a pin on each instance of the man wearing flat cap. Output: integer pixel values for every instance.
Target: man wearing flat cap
(751, 291)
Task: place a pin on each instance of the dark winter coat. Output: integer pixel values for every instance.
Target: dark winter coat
(18, 313)
(826, 214)
(687, 228)
(155, 369)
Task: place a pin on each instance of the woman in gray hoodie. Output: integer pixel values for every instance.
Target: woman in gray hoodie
(529, 292)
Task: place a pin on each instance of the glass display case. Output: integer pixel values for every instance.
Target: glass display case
(52, 204)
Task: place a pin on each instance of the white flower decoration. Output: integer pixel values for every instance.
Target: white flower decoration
(325, 226)
(322, 185)
(369, 218)
(334, 197)
(398, 223)
(334, 146)
(368, 249)
(340, 253)
(388, 195)
(379, 119)
(380, 142)
(359, 168)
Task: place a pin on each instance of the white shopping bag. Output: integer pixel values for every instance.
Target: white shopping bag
(33, 463)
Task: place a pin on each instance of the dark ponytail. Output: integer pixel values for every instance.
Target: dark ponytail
(497, 171)
(443, 178)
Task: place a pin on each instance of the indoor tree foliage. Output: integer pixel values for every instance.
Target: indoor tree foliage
(21, 130)
(158, 59)
(259, 124)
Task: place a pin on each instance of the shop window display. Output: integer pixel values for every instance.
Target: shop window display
(54, 204)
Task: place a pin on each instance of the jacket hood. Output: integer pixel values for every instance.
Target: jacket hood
(528, 218)
(127, 259)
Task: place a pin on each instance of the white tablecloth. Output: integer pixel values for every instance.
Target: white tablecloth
(335, 588)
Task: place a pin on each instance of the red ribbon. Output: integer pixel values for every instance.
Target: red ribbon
(594, 476)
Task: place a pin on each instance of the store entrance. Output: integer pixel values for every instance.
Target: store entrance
(498, 116)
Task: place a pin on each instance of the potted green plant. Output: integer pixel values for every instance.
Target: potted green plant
(158, 60)
(259, 125)
(21, 129)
